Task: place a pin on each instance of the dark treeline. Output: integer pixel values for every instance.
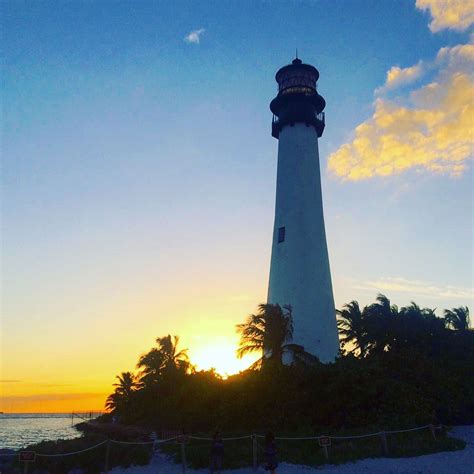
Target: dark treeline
(397, 368)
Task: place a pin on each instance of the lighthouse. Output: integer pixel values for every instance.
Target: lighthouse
(299, 271)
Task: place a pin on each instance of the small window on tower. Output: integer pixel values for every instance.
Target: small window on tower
(281, 235)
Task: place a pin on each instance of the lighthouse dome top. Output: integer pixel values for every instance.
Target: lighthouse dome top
(297, 100)
(297, 77)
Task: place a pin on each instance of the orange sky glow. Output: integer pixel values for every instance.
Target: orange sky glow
(78, 374)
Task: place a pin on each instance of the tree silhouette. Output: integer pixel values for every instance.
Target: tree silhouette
(381, 321)
(162, 360)
(407, 362)
(418, 327)
(269, 330)
(123, 393)
(457, 318)
(151, 365)
(172, 358)
(352, 327)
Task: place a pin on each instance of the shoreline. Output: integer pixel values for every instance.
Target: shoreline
(113, 430)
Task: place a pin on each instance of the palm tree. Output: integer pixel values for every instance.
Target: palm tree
(163, 359)
(269, 331)
(418, 328)
(381, 319)
(151, 365)
(457, 318)
(172, 358)
(352, 326)
(123, 393)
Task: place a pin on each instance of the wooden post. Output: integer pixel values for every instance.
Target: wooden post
(383, 439)
(326, 453)
(254, 452)
(25, 469)
(107, 457)
(183, 457)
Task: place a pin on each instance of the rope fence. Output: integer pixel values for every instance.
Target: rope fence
(158, 441)
(411, 429)
(40, 455)
(223, 439)
(324, 441)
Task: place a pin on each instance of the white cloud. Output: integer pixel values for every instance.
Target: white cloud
(430, 128)
(452, 14)
(458, 58)
(194, 36)
(398, 76)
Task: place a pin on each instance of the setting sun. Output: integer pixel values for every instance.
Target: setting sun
(219, 354)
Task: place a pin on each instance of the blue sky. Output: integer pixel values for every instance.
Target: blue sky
(139, 169)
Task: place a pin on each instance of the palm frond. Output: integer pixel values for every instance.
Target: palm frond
(269, 329)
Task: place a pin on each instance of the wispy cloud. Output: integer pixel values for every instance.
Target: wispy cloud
(448, 14)
(194, 36)
(415, 288)
(9, 381)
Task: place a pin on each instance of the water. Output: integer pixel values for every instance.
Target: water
(22, 429)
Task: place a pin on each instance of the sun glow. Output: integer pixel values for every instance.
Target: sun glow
(220, 354)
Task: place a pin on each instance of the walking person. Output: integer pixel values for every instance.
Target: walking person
(270, 453)
(217, 453)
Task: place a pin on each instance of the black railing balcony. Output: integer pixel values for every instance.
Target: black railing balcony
(275, 127)
(318, 121)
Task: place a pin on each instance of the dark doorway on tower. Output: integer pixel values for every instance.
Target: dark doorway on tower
(281, 235)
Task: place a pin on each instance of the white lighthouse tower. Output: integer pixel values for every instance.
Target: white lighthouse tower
(299, 272)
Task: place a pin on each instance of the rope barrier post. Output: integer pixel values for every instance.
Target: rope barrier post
(383, 439)
(326, 453)
(325, 442)
(254, 452)
(107, 457)
(183, 457)
(26, 457)
(433, 433)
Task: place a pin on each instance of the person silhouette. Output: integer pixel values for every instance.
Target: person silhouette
(270, 453)
(217, 452)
